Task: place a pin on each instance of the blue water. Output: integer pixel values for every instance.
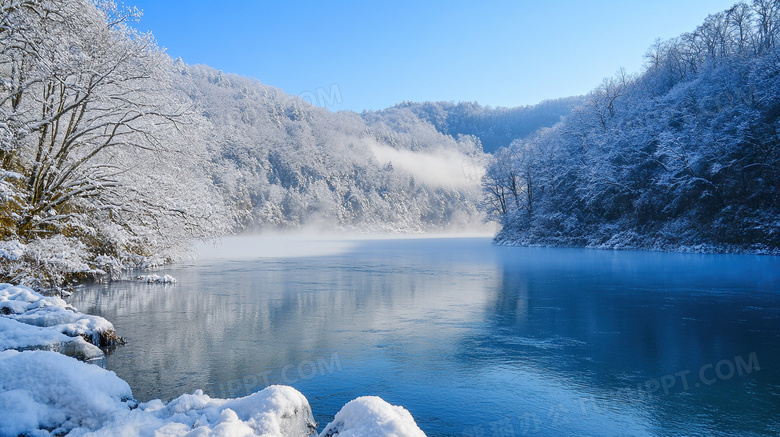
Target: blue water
(472, 339)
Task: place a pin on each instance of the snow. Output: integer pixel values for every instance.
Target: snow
(372, 416)
(43, 389)
(51, 315)
(274, 411)
(44, 393)
(21, 336)
(7, 190)
(157, 279)
(46, 262)
(10, 175)
(12, 250)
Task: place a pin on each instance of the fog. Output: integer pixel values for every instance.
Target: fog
(305, 243)
(447, 168)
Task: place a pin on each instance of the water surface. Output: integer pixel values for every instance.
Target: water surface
(473, 339)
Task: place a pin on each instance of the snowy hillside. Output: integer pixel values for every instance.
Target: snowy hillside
(286, 163)
(685, 156)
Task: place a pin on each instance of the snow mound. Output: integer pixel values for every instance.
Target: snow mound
(372, 416)
(48, 394)
(276, 411)
(41, 390)
(51, 315)
(157, 279)
(21, 336)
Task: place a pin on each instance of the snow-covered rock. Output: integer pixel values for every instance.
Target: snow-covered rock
(21, 336)
(372, 416)
(51, 315)
(157, 279)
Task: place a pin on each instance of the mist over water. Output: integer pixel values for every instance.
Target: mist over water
(471, 338)
(311, 243)
(446, 168)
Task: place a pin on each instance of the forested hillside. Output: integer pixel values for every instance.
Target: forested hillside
(684, 156)
(495, 127)
(289, 164)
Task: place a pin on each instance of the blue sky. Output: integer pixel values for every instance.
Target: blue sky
(371, 55)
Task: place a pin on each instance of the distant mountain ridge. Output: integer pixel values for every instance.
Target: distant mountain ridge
(495, 127)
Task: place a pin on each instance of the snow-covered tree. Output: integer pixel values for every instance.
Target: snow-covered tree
(91, 124)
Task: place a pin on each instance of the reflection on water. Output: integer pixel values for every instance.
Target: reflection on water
(472, 339)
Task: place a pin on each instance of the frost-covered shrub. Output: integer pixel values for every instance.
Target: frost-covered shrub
(46, 262)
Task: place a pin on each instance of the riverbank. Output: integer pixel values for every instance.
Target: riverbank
(627, 241)
(52, 382)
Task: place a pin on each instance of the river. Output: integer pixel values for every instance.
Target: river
(472, 339)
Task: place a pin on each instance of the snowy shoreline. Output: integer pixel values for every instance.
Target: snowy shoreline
(631, 242)
(48, 387)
